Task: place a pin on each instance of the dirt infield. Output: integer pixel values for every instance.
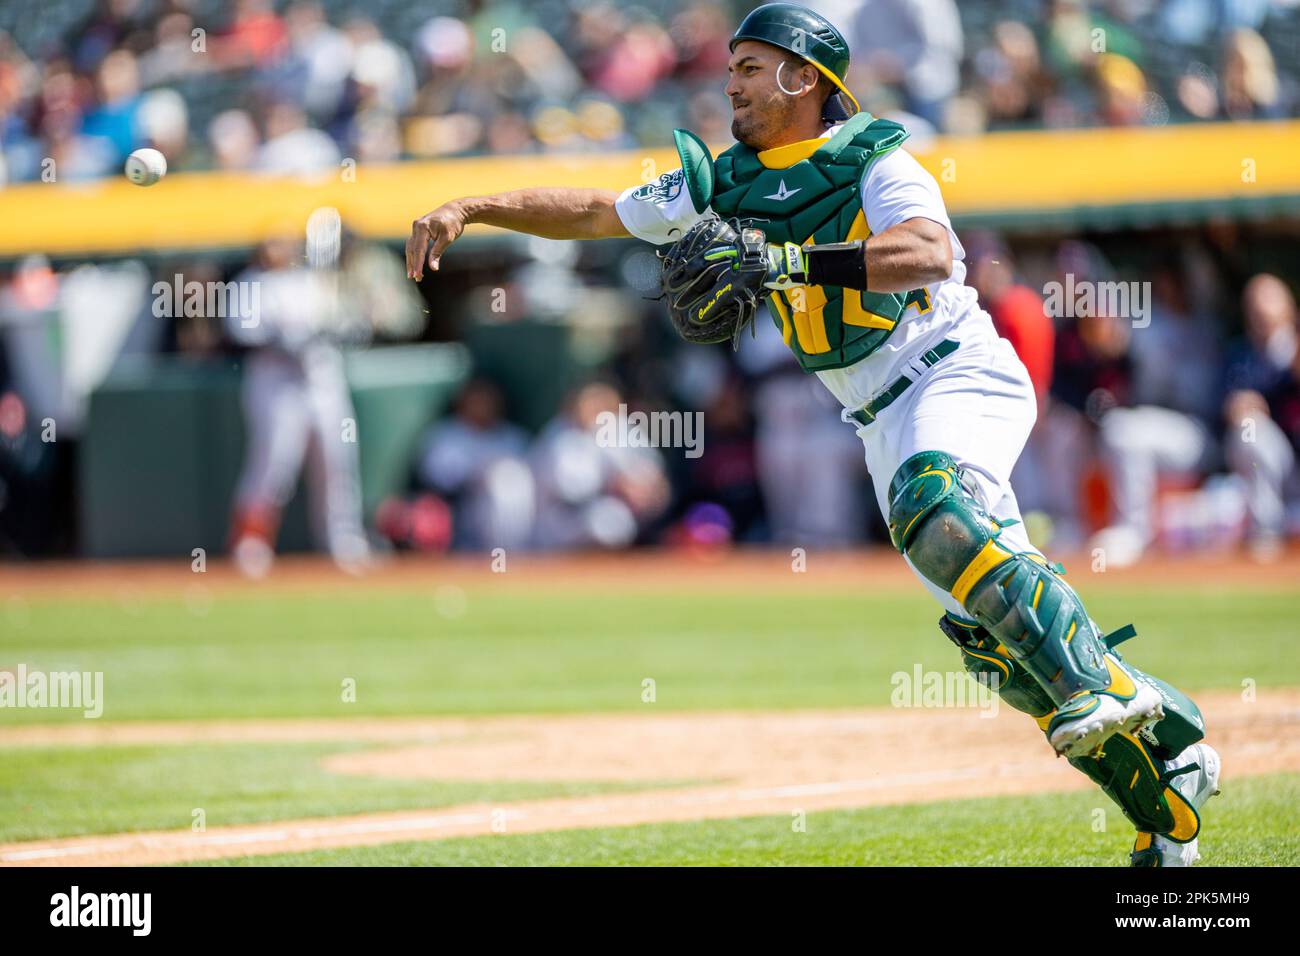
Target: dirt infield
(755, 764)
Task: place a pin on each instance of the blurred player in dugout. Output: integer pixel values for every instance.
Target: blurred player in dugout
(297, 407)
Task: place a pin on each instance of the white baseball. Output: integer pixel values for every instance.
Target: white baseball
(145, 167)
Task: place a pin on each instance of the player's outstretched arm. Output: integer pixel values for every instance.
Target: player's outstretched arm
(550, 212)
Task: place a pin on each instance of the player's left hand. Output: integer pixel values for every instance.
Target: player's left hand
(787, 267)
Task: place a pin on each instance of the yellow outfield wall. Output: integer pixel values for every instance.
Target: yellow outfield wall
(1031, 172)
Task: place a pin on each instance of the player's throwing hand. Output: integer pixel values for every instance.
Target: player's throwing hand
(434, 232)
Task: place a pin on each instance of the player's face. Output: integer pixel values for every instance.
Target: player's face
(1269, 307)
(760, 110)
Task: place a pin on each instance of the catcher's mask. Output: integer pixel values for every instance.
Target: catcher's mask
(809, 36)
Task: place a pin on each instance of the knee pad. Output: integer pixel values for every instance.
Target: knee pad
(1017, 597)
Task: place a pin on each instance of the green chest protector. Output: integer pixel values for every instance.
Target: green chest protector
(817, 198)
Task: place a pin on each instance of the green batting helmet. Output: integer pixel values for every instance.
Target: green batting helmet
(804, 33)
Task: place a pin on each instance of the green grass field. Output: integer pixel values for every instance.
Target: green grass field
(65, 791)
(528, 651)
(268, 654)
(1245, 832)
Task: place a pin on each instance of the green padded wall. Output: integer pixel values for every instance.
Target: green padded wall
(163, 442)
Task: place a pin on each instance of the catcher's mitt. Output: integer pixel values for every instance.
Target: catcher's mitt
(713, 279)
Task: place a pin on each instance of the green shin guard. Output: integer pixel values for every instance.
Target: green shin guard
(987, 661)
(1135, 779)
(1183, 724)
(1043, 624)
(1131, 768)
(1031, 632)
(1022, 603)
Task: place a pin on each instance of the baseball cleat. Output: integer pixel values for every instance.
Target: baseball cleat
(1152, 849)
(1087, 720)
(253, 557)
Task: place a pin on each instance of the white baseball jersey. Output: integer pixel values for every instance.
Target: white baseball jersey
(976, 404)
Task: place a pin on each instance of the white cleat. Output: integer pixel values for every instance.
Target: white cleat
(253, 557)
(1197, 787)
(1085, 722)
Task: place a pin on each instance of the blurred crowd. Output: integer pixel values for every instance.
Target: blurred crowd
(1179, 426)
(1173, 421)
(1170, 417)
(295, 87)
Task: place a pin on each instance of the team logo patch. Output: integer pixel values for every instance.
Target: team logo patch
(664, 190)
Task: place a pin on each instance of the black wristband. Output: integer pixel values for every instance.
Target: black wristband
(841, 264)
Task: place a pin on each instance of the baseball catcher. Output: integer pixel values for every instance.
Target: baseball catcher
(820, 212)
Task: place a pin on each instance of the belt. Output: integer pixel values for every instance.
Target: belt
(868, 412)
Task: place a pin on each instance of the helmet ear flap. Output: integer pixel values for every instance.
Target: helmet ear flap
(835, 111)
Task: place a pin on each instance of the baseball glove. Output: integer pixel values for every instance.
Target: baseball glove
(713, 279)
